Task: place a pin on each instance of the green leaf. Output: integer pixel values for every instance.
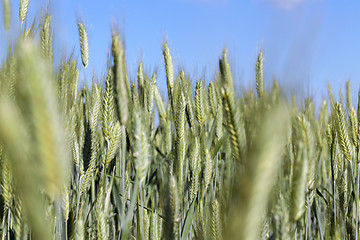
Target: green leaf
(188, 221)
(218, 145)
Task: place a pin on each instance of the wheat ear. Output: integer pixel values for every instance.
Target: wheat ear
(154, 226)
(348, 97)
(298, 187)
(215, 221)
(169, 68)
(7, 15)
(213, 99)
(151, 93)
(160, 105)
(23, 10)
(199, 103)
(234, 123)
(108, 113)
(46, 38)
(342, 133)
(354, 127)
(259, 75)
(141, 146)
(121, 85)
(83, 44)
(5, 180)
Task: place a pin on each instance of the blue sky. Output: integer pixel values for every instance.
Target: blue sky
(306, 43)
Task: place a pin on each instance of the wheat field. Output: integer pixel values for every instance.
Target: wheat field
(118, 160)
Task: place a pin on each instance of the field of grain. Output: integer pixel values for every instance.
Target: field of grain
(117, 160)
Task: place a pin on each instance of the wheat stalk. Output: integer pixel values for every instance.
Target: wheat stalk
(172, 211)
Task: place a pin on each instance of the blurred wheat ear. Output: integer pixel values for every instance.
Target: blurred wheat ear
(36, 141)
(6, 10)
(261, 167)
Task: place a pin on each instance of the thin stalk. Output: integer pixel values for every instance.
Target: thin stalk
(141, 193)
(357, 202)
(140, 214)
(333, 182)
(307, 223)
(318, 220)
(122, 165)
(125, 225)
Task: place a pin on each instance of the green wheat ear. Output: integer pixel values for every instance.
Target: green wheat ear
(281, 219)
(151, 93)
(306, 134)
(207, 170)
(83, 44)
(189, 110)
(160, 105)
(154, 233)
(234, 123)
(195, 167)
(180, 118)
(354, 127)
(7, 15)
(122, 93)
(23, 10)
(259, 75)
(342, 133)
(46, 38)
(140, 146)
(213, 99)
(108, 113)
(140, 83)
(40, 98)
(135, 96)
(113, 143)
(21, 166)
(216, 228)
(169, 68)
(255, 183)
(199, 103)
(348, 97)
(6, 182)
(298, 187)
(219, 122)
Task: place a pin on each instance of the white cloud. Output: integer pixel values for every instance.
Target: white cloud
(287, 4)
